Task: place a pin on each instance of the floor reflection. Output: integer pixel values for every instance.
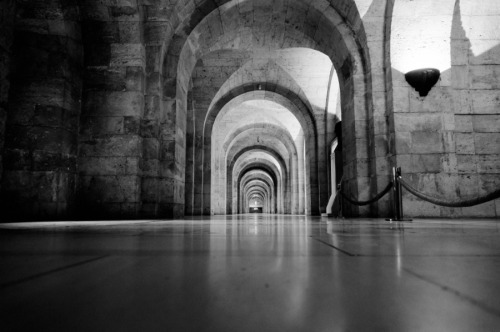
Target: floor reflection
(251, 272)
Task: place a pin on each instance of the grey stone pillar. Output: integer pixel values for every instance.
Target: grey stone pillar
(7, 14)
(43, 110)
(111, 142)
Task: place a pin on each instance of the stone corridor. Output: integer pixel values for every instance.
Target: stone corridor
(131, 109)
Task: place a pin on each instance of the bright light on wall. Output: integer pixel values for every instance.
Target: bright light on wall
(420, 36)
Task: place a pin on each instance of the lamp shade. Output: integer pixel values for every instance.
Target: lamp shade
(423, 80)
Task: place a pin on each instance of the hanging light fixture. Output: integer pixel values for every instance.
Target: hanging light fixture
(423, 79)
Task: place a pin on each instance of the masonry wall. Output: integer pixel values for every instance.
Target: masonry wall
(448, 143)
(92, 123)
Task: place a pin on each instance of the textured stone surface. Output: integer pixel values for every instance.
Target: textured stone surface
(161, 108)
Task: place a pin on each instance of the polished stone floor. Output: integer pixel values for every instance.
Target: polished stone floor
(251, 273)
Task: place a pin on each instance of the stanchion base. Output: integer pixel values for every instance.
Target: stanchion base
(404, 219)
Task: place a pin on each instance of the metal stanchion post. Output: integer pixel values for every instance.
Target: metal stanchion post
(394, 198)
(397, 201)
(398, 197)
(400, 193)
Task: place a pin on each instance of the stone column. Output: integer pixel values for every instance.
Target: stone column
(111, 144)
(43, 110)
(7, 14)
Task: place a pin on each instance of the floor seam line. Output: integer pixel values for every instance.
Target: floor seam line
(455, 292)
(42, 274)
(345, 252)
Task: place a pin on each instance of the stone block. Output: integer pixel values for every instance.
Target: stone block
(488, 163)
(124, 55)
(450, 212)
(485, 101)
(44, 186)
(105, 78)
(426, 163)
(152, 107)
(417, 122)
(46, 161)
(426, 142)
(460, 77)
(179, 192)
(50, 92)
(463, 123)
(111, 189)
(487, 143)
(115, 146)
(482, 210)
(135, 79)
(155, 32)
(150, 167)
(110, 166)
(417, 208)
(462, 102)
(488, 183)
(490, 57)
(485, 77)
(150, 129)
(54, 140)
(150, 189)
(98, 126)
(17, 159)
(439, 100)
(486, 123)
(53, 116)
(131, 125)
(464, 143)
(468, 186)
(124, 11)
(130, 32)
(460, 51)
(114, 103)
(100, 32)
(467, 163)
(97, 55)
(449, 163)
(166, 190)
(151, 148)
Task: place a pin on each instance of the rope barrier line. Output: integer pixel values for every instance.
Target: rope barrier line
(373, 200)
(398, 183)
(437, 201)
